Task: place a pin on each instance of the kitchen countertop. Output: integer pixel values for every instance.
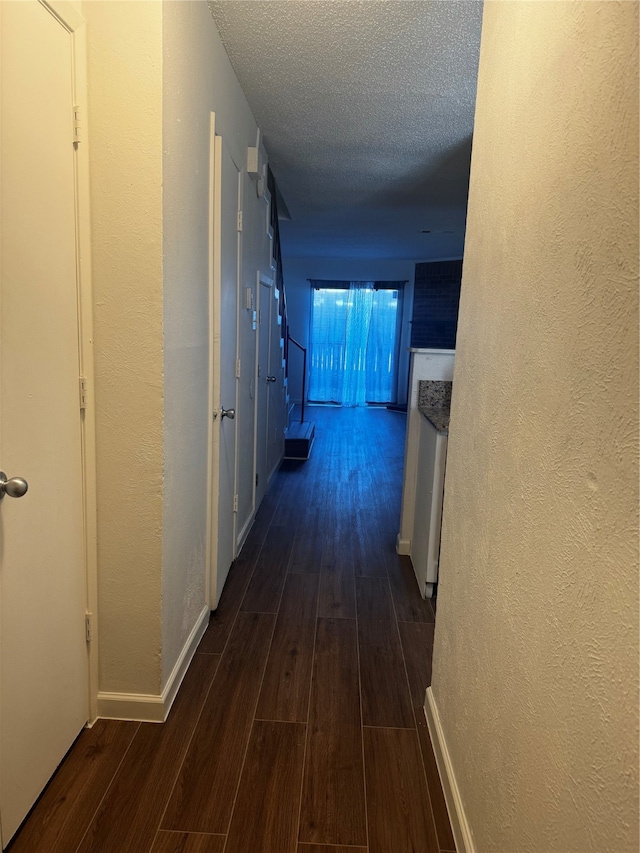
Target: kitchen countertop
(434, 402)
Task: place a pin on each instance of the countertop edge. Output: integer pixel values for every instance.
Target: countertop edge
(434, 421)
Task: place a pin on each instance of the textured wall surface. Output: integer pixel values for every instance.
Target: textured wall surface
(535, 671)
(187, 102)
(124, 52)
(197, 80)
(156, 72)
(367, 110)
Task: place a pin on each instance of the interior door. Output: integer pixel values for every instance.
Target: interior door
(263, 384)
(276, 394)
(251, 239)
(43, 653)
(224, 307)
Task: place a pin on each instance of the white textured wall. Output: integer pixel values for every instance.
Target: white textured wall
(197, 80)
(535, 671)
(156, 71)
(187, 103)
(124, 53)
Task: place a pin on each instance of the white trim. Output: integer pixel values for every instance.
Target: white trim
(209, 559)
(242, 538)
(142, 707)
(86, 351)
(459, 824)
(236, 451)
(261, 278)
(403, 546)
(274, 471)
(66, 12)
(186, 656)
(149, 707)
(216, 580)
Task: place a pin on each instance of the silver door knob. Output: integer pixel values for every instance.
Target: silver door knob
(271, 378)
(16, 487)
(227, 413)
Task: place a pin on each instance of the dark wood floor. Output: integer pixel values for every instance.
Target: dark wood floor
(299, 726)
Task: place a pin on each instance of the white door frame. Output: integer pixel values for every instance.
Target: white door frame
(212, 476)
(70, 17)
(276, 339)
(215, 322)
(261, 419)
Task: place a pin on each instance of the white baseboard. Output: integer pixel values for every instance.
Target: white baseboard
(459, 824)
(403, 546)
(245, 532)
(275, 470)
(142, 707)
(153, 708)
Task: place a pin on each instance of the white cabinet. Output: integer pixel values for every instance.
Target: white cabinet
(427, 519)
(434, 365)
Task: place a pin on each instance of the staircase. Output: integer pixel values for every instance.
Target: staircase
(298, 440)
(299, 435)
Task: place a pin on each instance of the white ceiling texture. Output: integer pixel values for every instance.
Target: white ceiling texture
(366, 109)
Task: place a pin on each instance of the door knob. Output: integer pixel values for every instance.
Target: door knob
(227, 413)
(271, 378)
(16, 487)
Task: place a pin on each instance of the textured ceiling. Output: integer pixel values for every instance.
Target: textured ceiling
(366, 109)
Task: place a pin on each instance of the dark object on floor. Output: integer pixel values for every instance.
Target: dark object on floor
(299, 439)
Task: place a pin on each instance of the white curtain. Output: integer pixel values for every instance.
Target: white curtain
(353, 345)
(381, 363)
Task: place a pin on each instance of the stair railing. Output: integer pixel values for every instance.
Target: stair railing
(304, 373)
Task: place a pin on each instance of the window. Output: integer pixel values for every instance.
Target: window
(354, 338)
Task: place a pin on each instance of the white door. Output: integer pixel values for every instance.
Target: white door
(43, 654)
(223, 321)
(263, 384)
(277, 402)
(270, 423)
(252, 239)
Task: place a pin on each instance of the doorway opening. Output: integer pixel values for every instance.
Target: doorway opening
(354, 342)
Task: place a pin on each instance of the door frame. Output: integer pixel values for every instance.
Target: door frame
(72, 20)
(214, 326)
(69, 17)
(276, 332)
(262, 280)
(212, 479)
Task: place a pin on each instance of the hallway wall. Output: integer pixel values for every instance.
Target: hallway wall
(197, 80)
(187, 82)
(124, 42)
(156, 72)
(535, 671)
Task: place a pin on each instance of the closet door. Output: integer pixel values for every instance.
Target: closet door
(44, 661)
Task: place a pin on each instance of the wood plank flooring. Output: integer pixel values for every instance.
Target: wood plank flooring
(299, 726)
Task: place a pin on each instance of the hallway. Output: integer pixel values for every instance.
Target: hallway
(299, 726)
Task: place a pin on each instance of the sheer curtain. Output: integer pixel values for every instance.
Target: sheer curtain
(381, 361)
(353, 344)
